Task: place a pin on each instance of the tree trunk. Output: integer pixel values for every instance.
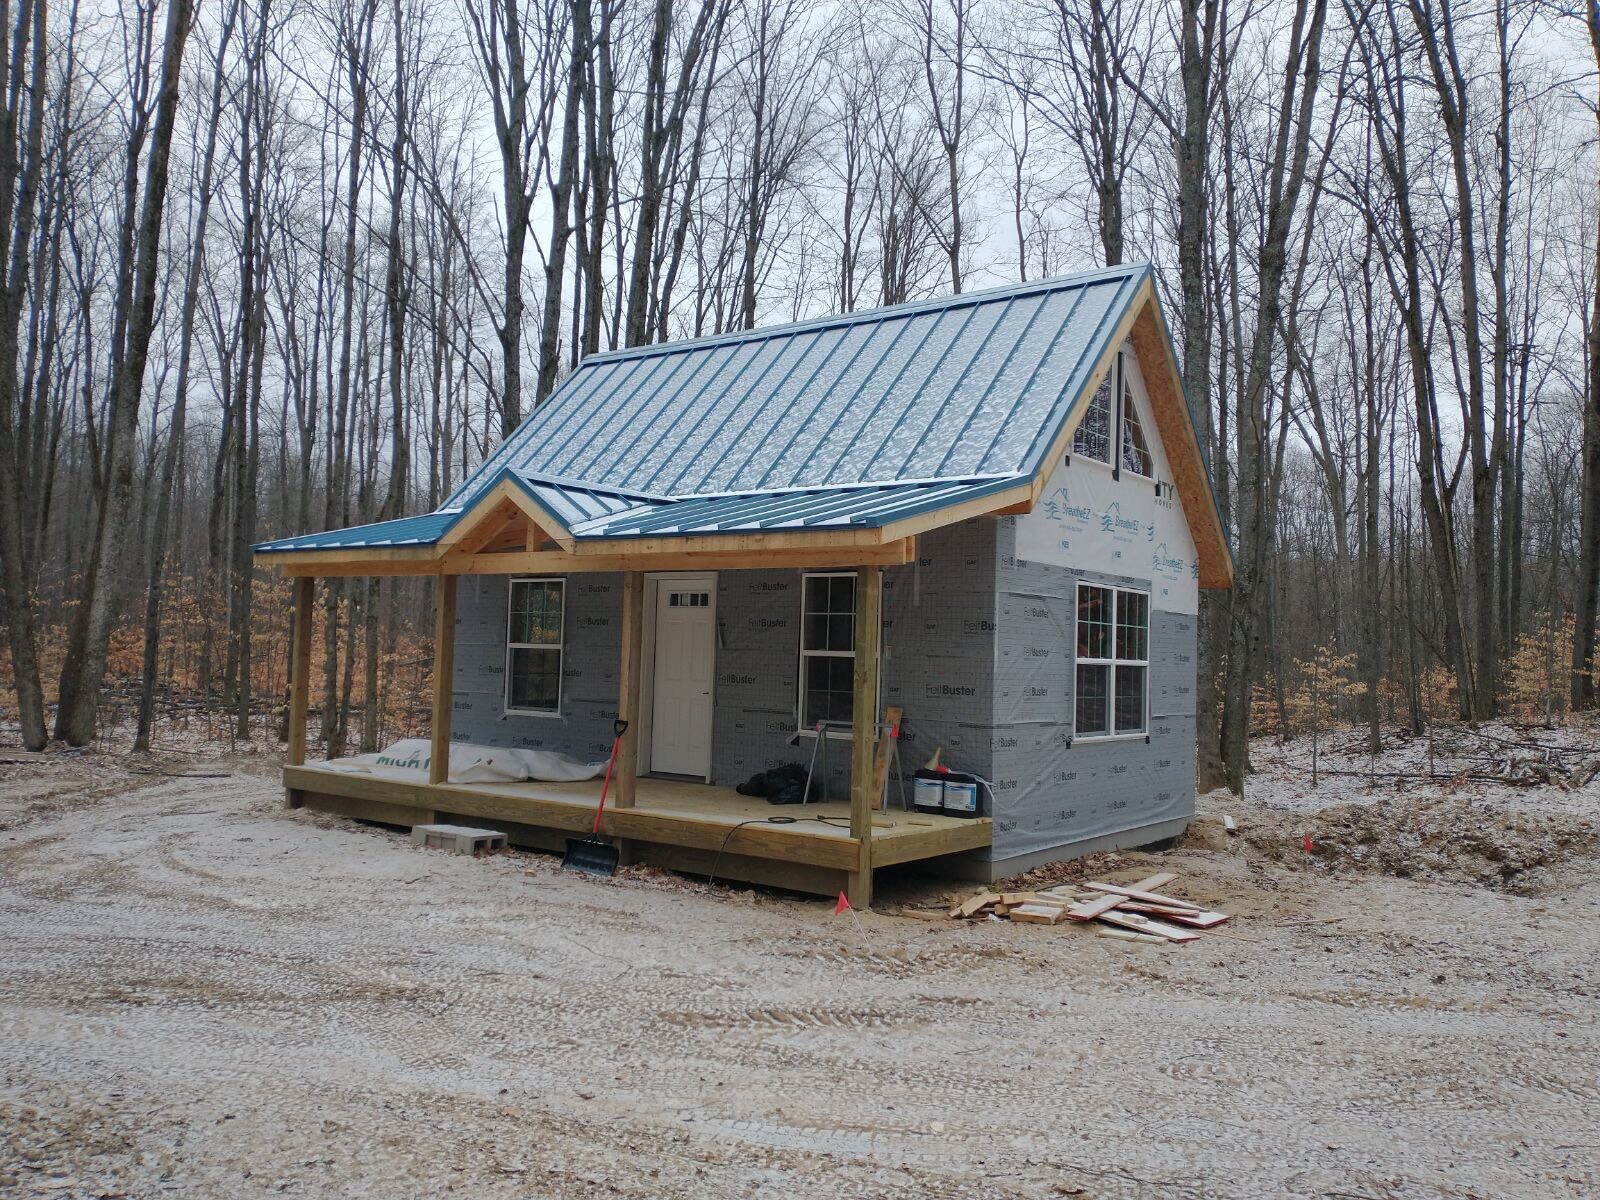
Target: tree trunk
(75, 721)
(1585, 687)
(20, 164)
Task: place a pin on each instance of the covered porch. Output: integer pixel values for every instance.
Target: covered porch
(686, 826)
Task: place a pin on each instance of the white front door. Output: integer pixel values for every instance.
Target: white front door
(685, 657)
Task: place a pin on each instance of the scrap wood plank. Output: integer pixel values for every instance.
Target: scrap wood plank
(1036, 914)
(973, 903)
(1088, 910)
(1140, 924)
(881, 753)
(1127, 935)
(1141, 894)
(1199, 920)
(1154, 910)
(1158, 880)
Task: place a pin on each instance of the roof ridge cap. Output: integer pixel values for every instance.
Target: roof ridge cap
(882, 312)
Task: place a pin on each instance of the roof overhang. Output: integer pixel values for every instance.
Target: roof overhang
(510, 529)
(525, 522)
(1143, 324)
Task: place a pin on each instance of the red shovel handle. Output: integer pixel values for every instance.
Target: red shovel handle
(621, 728)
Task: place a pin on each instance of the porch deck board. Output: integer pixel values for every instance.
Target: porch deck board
(666, 812)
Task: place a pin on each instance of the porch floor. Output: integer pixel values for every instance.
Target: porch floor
(679, 825)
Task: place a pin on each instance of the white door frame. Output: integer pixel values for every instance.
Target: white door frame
(647, 671)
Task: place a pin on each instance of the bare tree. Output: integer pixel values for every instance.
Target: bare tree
(80, 683)
(22, 109)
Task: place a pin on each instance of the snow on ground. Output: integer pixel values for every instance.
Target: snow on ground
(1453, 759)
(204, 994)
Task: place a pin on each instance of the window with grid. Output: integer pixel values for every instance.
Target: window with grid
(1093, 436)
(1135, 446)
(534, 630)
(1113, 661)
(827, 649)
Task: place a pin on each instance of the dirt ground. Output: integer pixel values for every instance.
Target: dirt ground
(202, 994)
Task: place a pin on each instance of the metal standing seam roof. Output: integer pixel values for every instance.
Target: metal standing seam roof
(404, 532)
(854, 419)
(872, 506)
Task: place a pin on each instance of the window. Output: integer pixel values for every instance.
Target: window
(1093, 436)
(1135, 449)
(827, 648)
(533, 645)
(1113, 661)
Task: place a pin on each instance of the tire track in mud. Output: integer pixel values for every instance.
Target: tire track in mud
(318, 1004)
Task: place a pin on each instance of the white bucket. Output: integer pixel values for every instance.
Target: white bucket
(960, 798)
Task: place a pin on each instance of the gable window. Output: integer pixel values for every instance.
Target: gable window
(1093, 436)
(535, 627)
(1113, 661)
(1135, 447)
(827, 648)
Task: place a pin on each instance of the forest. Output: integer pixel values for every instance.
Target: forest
(273, 266)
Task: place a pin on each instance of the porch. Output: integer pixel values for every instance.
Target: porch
(672, 824)
(681, 826)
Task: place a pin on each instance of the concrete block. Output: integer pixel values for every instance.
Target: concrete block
(458, 839)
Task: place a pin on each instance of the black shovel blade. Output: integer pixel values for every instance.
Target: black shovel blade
(590, 856)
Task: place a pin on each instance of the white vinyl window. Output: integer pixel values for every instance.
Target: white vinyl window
(535, 628)
(1113, 661)
(1092, 438)
(827, 648)
(1135, 446)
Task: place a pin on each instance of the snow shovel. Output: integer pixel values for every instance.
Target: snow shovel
(594, 855)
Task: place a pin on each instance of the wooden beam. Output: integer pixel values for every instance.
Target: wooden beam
(883, 752)
(392, 560)
(444, 669)
(627, 768)
(869, 610)
(556, 562)
(750, 540)
(305, 591)
(1013, 498)
(487, 508)
(487, 530)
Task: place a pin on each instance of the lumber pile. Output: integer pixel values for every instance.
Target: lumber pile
(1132, 912)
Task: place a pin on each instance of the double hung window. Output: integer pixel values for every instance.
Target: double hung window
(1113, 661)
(827, 648)
(535, 628)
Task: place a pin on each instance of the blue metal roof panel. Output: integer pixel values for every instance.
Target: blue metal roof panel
(954, 387)
(855, 419)
(406, 531)
(573, 502)
(872, 506)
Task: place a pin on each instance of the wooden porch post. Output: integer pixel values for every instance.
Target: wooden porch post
(444, 671)
(305, 592)
(869, 608)
(627, 769)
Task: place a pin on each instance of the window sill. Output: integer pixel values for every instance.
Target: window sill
(532, 712)
(1095, 739)
(834, 735)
